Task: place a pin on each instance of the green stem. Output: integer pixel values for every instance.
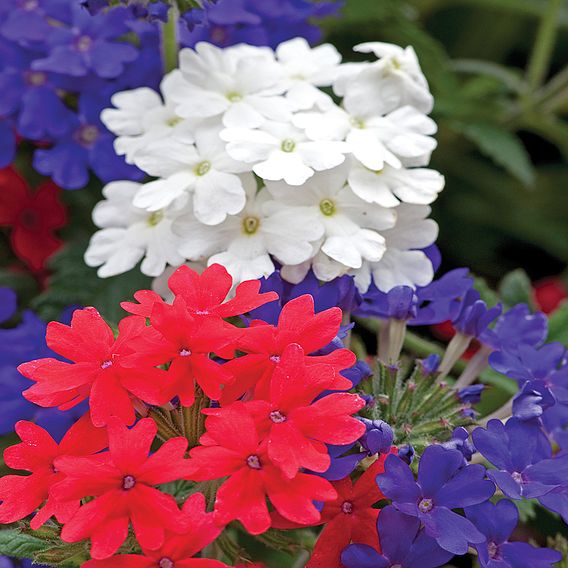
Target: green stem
(539, 62)
(170, 45)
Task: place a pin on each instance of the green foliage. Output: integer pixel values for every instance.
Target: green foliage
(17, 544)
(558, 324)
(503, 147)
(516, 288)
(74, 283)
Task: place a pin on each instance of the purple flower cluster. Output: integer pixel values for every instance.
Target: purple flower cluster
(59, 67)
(18, 344)
(256, 22)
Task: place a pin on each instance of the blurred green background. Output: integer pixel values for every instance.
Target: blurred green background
(498, 71)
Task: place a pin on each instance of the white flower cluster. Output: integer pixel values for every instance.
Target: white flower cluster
(255, 162)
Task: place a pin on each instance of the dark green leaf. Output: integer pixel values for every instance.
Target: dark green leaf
(558, 324)
(19, 545)
(516, 288)
(503, 147)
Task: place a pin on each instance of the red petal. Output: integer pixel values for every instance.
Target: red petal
(129, 449)
(167, 464)
(83, 438)
(110, 399)
(246, 298)
(22, 495)
(242, 497)
(336, 535)
(146, 300)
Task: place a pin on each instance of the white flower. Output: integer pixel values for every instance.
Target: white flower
(129, 234)
(141, 117)
(239, 84)
(306, 68)
(401, 136)
(404, 263)
(389, 186)
(280, 151)
(204, 169)
(351, 227)
(243, 243)
(396, 80)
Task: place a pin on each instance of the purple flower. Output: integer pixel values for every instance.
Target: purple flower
(357, 373)
(460, 441)
(28, 20)
(533, 400)
(340, 292)
(398, 303)
(475, 317)
(343, 462)
(378, 437)
(89, 46)
(7, 143)
(529, 363)
(404, 545)
(406, 453)
(518, 326)
(88, 144)
(444, 483)
(497, 523)
(471, 394)
(18, 344)
(523, 457)
(430, 365)
(442, 299)
(256, 22)
(8, 304)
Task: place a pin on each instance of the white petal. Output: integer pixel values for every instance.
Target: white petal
(402, 268)
(284, 165)
(158, 194)
(369, 186)
(242, 115)
(166, 157)
(217, 195)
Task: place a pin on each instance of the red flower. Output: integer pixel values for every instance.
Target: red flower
(205, 294)
(178, 549)
(97, 371)
(234, 448)
(187, 342)
(298, 323)
(22, 495)
(350, 518)
(122, 481)
(550, 293)
(33, 216)
(295, 427)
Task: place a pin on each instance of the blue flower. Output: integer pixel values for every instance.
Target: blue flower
(343, 462)
(340, 292)
(256, 22)
(7, 142)
(523, 457)
(518, 326)
(474, 316)
(460, 441)
(87, 144)
(8, 304)
(497, 523)
(378, 437)
(398, 303)
(404, 544)
(19, 344)
(89, 45)
(444, 483)
(442, 300)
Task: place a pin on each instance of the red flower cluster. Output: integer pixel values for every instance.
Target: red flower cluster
(277, 406)
(33, 217)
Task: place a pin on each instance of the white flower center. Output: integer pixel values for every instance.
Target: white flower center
(83, 43)
(202, 168)
(234, 97)
(288, 145)
(327, 207)
(155, 218)
(173, 121)
(254, 462)
(251, 225)
(357, 122)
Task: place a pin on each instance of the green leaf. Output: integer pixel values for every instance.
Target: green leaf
(19, 545)
(516, 288)
(485, 292)
(74, 283)
(558, 324)
(503, 147)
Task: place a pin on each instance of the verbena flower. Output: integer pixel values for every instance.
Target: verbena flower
(444, 483)
(497, 523)
(403, 543)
